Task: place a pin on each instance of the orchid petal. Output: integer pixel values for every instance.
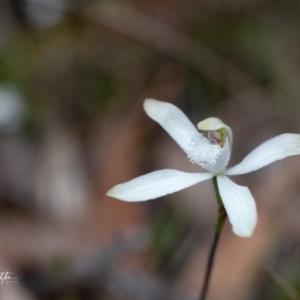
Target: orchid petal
(277, 148)
(240, 206)
(156, 184)
(173, 120)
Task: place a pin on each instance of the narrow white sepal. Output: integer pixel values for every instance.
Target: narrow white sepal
(240, 206)
(277, 148)
(156, 184)
(173, 120)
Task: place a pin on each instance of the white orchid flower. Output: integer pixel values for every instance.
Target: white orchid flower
(213, 154)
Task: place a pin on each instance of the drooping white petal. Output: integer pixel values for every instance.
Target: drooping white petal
(212, 124)
(277, 148)
(240, 206)
(156, 184)
(173, 120)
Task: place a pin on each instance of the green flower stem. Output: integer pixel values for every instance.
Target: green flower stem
(221, 210)
(218, 228)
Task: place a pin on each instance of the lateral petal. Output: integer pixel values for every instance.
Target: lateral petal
(240, 206)
(173, 120)
(156, 184)
(277, 148)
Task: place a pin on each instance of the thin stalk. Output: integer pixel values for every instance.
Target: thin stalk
(218, 228)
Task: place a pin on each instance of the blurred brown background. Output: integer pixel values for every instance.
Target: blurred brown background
(73, 78)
